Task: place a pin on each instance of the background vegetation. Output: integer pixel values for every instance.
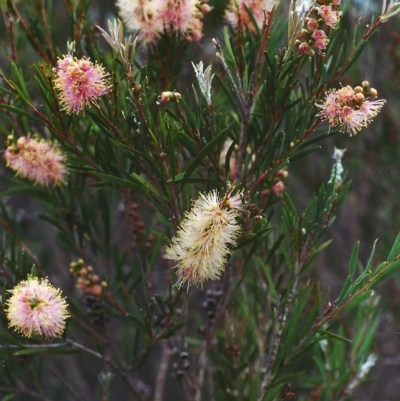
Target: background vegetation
(291, 318)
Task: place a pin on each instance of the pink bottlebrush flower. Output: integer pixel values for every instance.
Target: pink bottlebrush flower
(38, 160)
(345, 94)
(196, 30)
(79, 82)
(205, 238)
(330, 17)
(312, 24)
(237, 11)
(36, 308)
(322, 15)
(304, 48)
(142, 17)
(331, 108)
(278, 188)
(205, 8)
(351, 120)
(321, 40)
(348, 109)
(370, 109)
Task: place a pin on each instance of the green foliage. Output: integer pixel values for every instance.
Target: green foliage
(269, 330)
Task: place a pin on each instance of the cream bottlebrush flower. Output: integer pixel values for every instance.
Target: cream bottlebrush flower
(184, 16)
(205, 238)
(149, 18)
(79, 83)
(37, 308)
(142, 17)
(204, 78)
(349, 108)
(237, 11)
(38, 160)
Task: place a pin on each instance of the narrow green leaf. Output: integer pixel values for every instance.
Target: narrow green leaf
(34, 271)
(173, 330)
(395, 251)
(179, 177)
(7, 92)
(357, 301)
(271, 285)
(31, 351)
(138, 323)
(354, 259)
(227, 44)
(188, 143)
(8, 397)
(206, 150)
(335, 336)
(21, 112)
(384, 274)
(19, 84)
(148, 186)
(304, 152)
(250, 237)
(346, 290)
(371, 257)
(160, 304)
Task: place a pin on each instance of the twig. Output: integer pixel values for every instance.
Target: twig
(276, 340)
(122, 373)
(202, 363)
(245, 101)
(32, 39)
(9, 22)
(203, 360)
(261, 50)
(162, 373)
(42, 11)
(23, 390)
(65, 383)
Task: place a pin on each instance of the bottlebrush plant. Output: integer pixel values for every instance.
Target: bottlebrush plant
(164, 254)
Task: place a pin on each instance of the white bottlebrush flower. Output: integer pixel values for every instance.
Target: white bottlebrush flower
(204, 78)
(205, 238)
(142, 18)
